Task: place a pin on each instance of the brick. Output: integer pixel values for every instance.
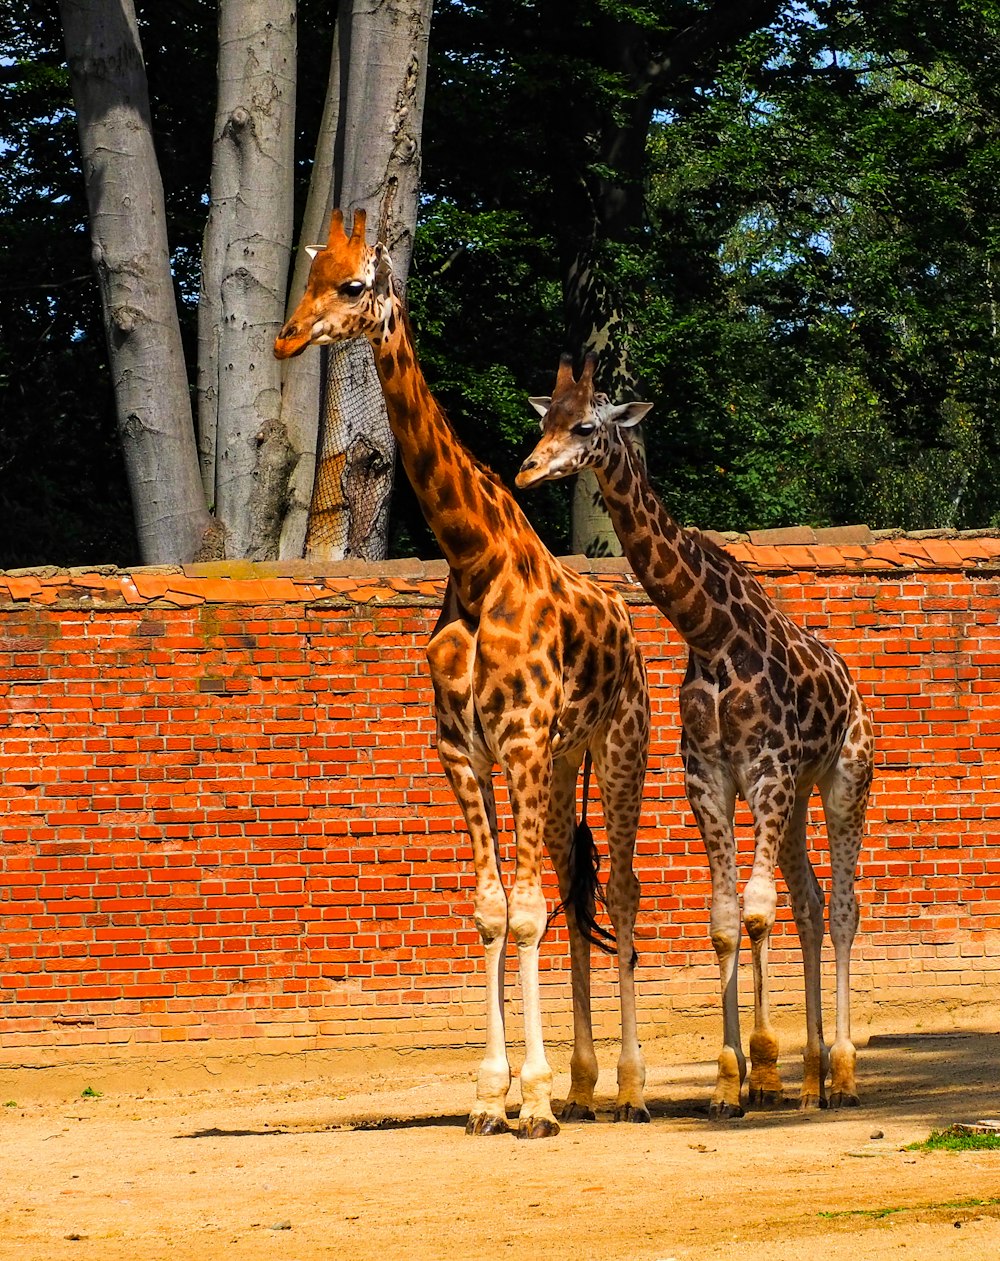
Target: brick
(280, 855)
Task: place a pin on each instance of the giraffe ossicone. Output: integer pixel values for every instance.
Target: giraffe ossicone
(533, 667)
(768, 713)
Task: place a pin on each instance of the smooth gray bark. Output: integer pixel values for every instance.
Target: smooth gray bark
(132, 261)
(301, 387)
(378, 77)
(245, 455)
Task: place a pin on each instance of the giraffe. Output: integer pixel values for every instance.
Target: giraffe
(768, 712)
(533, 667)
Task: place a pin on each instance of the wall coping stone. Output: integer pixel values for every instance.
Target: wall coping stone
(851, 549)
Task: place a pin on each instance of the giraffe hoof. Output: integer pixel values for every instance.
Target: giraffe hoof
(538, 1127)
(486, 1125)
(632, 1112)
(722, 1111)
(761, 1098)
(808, 1102)
(843, 1099)
(573, 1111)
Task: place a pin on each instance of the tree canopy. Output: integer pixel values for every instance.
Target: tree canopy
(793, 206)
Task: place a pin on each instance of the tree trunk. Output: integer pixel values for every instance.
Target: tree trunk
(595, 320)
(131, 257)
(378, 77)
(604, 201)
(245, 454)
(302, 377)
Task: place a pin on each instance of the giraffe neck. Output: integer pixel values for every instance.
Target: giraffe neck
(687, 580)
(476, 521)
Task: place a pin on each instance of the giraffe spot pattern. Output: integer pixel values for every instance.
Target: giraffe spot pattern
(768, 712)
(531, 663)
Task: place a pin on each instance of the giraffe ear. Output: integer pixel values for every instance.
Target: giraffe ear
(541, 404)
(627, 415)
(312, 250)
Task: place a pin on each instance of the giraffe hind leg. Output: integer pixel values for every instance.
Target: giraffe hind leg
(561, 840)
(620, 763)
(807, 909)
(845, 799)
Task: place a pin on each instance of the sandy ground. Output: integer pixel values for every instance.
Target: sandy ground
(373, 1163)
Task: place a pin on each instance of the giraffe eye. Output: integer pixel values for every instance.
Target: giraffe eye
(353, 289)
(584, 428)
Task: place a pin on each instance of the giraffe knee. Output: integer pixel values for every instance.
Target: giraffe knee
(725, 941)
(490, 918)
(526, 919)
(760, 900)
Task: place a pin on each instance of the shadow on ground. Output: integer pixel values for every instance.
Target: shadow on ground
(924, 1078)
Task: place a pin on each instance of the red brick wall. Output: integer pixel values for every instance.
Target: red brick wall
(223, 817)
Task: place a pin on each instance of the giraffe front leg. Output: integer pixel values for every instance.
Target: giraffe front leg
(468, 766)
(529, 778)
(493, 1078)
(489, 1115)
(527, 923)
(713, 801)
(732, 1064)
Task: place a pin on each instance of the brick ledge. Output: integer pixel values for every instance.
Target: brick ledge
(839, 549)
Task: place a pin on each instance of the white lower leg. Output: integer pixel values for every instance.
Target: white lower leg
(536, 1119)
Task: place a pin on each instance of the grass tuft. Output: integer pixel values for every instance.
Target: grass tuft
(958, 1138)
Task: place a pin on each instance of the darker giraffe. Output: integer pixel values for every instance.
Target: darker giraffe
(534, 667)
(768, 712)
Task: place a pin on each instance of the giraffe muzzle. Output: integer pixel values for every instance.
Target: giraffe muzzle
(291, 341)
(528, 474)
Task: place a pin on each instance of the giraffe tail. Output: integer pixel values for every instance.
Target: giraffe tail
(585, 892)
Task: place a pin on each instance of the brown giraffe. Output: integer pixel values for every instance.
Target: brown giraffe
(768, 712)
(533, 667)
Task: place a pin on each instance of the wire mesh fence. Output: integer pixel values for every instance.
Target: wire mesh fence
(355, 459)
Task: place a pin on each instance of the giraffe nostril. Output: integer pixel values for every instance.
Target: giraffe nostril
(529, 464)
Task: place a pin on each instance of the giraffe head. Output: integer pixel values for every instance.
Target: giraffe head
(347, 294)
(579, 426)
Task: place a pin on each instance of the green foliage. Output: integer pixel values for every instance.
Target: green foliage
(476, 282)
(88, 1092)
(812, 290)
(810, 271)
(957, 1139)
(824, 310)
(878, 1214)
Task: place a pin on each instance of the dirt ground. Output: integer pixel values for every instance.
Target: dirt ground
(372, 1163)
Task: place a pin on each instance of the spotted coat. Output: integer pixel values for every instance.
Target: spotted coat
(768, 713)
(533, 667)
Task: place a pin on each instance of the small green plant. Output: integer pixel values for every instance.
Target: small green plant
(957, 1138)
(876, 1214)
(11, 1103)
(88, 1092)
